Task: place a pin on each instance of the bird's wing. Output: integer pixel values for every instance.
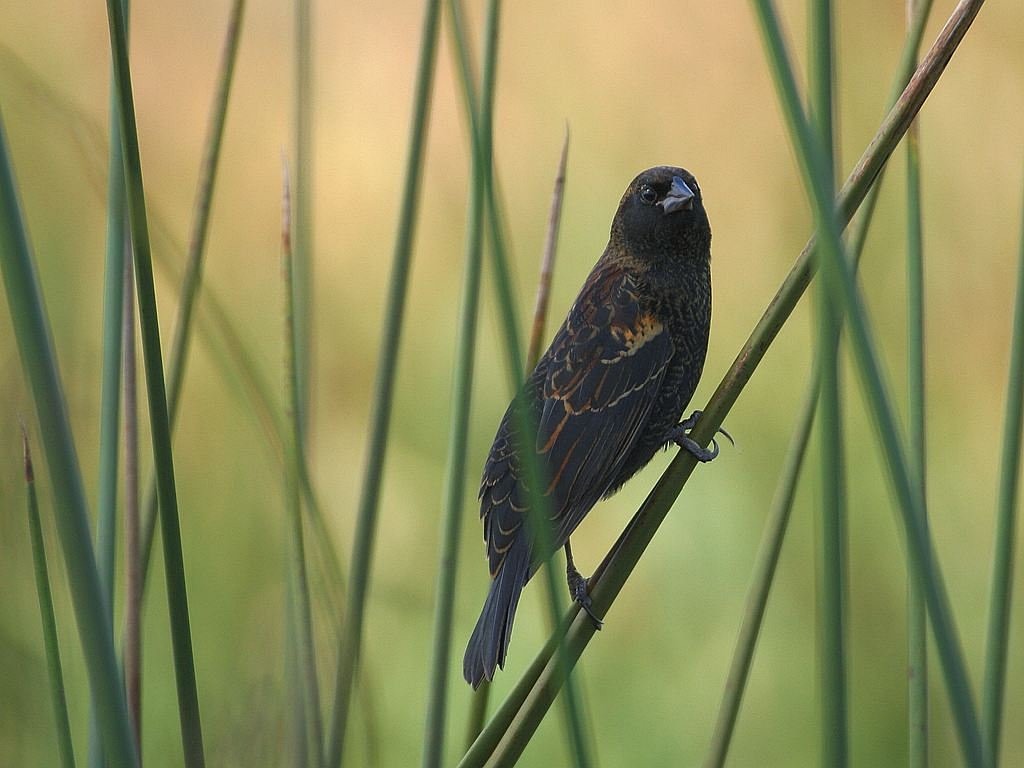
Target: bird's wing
(605, 367)
(590, 396)
(503, 497)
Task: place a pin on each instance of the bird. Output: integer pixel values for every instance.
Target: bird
(604, 398)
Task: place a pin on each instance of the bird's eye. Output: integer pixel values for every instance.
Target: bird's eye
(647, 195)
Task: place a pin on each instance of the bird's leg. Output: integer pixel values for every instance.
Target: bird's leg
(578, 587)
(680, 436)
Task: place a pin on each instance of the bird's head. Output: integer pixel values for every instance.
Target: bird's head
(661, 218)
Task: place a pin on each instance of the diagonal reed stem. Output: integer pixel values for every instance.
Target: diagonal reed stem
(461, 56)
(613, 572)
(775, 532)
(547, 262)
(997, 638)
(917, 619)
(181, 634)
(842, 288)
(118, 243)
(366, 520)
(50, 643)
(455, 473)
(132, 649)
(303, 613)
(32, 332)
(481, 135)
(192, 277)
(302, 231)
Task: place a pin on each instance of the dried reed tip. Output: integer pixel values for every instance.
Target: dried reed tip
(30, 476)
(286, 208)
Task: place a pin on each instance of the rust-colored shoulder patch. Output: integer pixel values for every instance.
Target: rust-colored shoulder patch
(634, 336)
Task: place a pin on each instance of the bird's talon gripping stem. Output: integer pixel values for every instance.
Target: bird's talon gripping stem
(578, 591)
(578, 587)
(680, 436)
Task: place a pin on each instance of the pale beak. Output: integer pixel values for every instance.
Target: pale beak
(679, 196)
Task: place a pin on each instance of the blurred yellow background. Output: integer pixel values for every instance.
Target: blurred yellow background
(663, 83)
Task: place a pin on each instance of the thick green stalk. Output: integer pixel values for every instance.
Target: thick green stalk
(302, 232)
(293, 471)
(110, 387)
(50, 643)
(192, 277)
(917, 619)
(842, 288)
(464, 73)
(774, 534)
(481, 134)
(32, 332)
(131, 650)
(181, 634)
(612, 574)
(298, 734)
(832, 557)
(477, 714)
(366, 520)
(118, 244)
(454, 484)
(761, 583)
(997, 639)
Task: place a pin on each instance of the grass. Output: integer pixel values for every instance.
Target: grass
(50, 643)
(842, 288)
(997, 639)
(538, 686)
(917, 620)
(322, 738)
(832, 558)
(181, 633)
(32, 332)
(362, 548)
(301, 612)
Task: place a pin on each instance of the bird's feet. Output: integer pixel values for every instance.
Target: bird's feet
(578, 592)
(681, 437)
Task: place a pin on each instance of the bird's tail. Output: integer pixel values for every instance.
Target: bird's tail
(489, 641)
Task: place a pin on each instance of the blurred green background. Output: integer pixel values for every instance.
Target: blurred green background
(673, 83)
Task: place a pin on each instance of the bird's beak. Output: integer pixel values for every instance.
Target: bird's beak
(679, 196)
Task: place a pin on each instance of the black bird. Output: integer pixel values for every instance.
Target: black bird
(606, 396)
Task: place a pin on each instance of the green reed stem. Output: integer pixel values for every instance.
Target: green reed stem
(117, 245)
(302, 231)
(832, 557)
(917, 619)
(181, 634)
(842, 288)
(455, 473)
(131, 651)
(481, 134)
(611, 575)
(774, 534)
(50, 643)
(293, 471)
(192, 278)
(366, 520)
(464, 73)
(32, 332)
(997, 638)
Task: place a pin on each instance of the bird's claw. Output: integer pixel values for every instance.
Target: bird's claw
(679, 435)
(578, 591)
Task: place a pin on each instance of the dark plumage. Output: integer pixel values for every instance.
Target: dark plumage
(607, 394)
